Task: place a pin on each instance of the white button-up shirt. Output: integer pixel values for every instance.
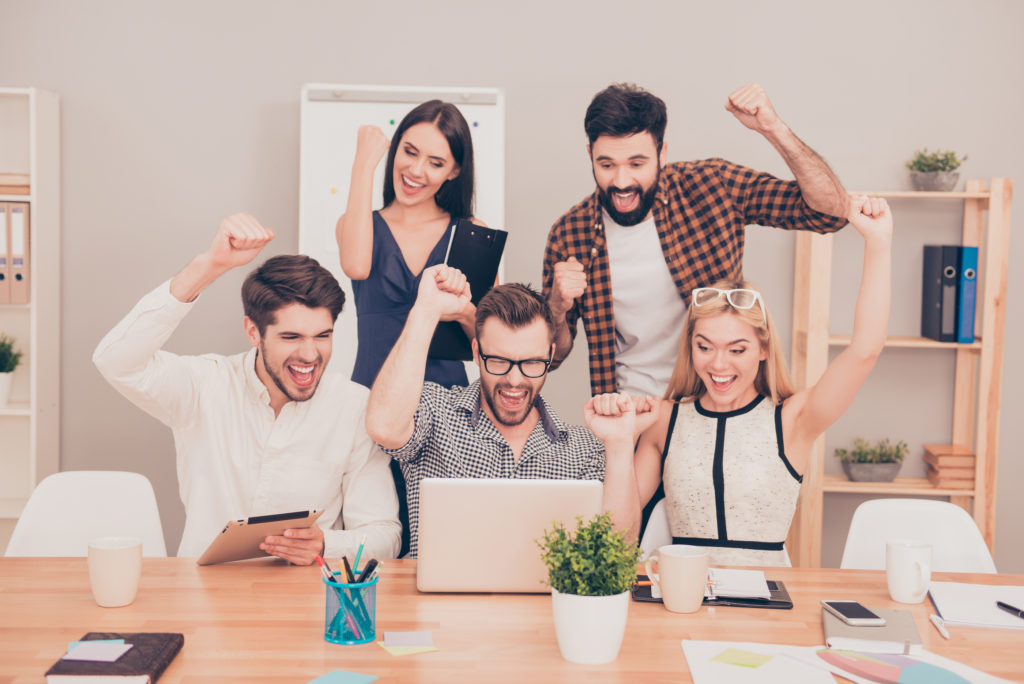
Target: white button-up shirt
(235, 459)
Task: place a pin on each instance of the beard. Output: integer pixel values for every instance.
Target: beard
(630, 218)
(276, 377)
(504, 416)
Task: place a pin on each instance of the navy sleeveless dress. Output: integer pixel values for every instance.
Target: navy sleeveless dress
(383, 302)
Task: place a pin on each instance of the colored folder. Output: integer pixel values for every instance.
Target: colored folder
(939, 287)
(5, 261)
(18, 252)
(967, 293)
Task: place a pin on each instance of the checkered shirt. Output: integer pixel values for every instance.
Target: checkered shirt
(701, 210)
(453, 437)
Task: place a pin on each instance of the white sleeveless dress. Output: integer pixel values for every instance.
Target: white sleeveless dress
(728, 483)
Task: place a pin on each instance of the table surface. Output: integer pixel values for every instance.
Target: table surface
(263, 621)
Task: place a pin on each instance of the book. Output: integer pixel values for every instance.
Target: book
(899, 635)
(952, 455)
(149, 656)
(949, 480)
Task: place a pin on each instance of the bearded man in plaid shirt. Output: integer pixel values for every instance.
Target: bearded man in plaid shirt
(659, 230)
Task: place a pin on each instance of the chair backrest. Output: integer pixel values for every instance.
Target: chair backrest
(657, 533)
(68, 509)
(957, 544)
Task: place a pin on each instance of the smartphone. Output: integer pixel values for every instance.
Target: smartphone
(853, 613)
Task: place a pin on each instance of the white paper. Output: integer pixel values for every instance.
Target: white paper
(728, 583)
(975, 604)
(408, 638)
(101, 653)
(783, 668)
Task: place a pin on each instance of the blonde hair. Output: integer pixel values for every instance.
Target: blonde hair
(772, 379)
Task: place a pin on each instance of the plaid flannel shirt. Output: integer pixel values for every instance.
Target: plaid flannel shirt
(701, 211)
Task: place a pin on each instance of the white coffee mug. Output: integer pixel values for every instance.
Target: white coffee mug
(115, 565)
(682, 576)
(908, 568)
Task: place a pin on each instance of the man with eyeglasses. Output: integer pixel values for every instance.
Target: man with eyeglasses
(499, 426)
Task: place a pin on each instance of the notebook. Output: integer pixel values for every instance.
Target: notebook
(974, 605)
(779, 597)
(481, 534)
(143, 663)
(899, 635)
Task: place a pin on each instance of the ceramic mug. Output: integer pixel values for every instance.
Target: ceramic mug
(908, 569)
(115, 564)
(682, 576)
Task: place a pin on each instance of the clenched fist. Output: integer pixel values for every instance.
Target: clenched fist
(569, 283)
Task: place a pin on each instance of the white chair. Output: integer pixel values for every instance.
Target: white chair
(68, 509)
(657, 532)
(957, 544)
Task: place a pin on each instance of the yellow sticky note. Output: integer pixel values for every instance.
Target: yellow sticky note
(735, 656)
(407, 650)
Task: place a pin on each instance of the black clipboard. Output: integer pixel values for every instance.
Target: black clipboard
(476, 251)
(780, 597)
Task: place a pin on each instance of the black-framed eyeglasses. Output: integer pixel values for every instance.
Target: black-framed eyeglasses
(530, 368)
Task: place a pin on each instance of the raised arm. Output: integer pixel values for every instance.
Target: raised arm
(391, 409)
(239, 239)
(819, 186)
(354, 231)
(810, 412)
(564, 283)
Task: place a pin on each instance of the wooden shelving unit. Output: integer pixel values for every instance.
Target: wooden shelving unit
(977, 381)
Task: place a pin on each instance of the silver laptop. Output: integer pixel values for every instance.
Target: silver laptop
(481, 534)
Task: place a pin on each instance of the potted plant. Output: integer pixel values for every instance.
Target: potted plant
(9, 359)
(878, 463)
(590, 574)
(935, 170)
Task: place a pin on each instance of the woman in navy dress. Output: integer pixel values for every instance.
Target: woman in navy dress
(428, 186)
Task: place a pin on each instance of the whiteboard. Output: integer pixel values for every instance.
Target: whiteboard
(330, 119)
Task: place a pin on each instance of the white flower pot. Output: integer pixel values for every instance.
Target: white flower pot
(590, 628)
(5, 387)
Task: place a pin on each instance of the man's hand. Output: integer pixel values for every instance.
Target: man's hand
(871, 217)
(371, 146)
(648, 410)
(239, 239)
(570, 281)
(443, 290)
(299, 545)
(612, 418)
(750, 104)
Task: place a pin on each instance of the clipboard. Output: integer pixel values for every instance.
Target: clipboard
(476, 251)
(241, 539)
(780, 597)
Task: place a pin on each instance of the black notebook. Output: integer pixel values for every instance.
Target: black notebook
(476, 251)
(144, 662)
(779, 599)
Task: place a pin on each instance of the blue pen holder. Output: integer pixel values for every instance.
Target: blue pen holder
(351, 613)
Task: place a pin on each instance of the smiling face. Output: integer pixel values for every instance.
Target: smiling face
(423, 162)
(626, 170)
(293, 352)
(726, 355)
(508, 399)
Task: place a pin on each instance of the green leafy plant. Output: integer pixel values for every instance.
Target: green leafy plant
(882, 452)
(9, 356)
(596, 561)
(940, 160)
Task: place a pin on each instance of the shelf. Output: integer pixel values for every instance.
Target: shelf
(16, 408)
(12, 507)
(16, 198)
(911, 343)
(920, 194)
(918, 486)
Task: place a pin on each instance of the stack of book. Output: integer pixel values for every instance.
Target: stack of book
(950, 466)
(14, 184)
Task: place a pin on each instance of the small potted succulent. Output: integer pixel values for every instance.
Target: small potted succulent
(867, 463)
(935, 170)
(590, 574)
(9, 360)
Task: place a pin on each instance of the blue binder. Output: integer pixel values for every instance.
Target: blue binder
(967, 294)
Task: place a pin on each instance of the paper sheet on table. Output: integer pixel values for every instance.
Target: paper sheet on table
(728, 662)
(343, 677)
(94, 641)
(974, 605)
(408, 638)
(406, 650)
(97, 652)
(727, 582)
(956, 670)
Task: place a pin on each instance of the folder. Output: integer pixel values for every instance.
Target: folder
(18, 252)
(476, 251)
(939, 286)
(967, 293)
(5, 274)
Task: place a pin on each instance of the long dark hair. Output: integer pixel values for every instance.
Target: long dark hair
(456, 195)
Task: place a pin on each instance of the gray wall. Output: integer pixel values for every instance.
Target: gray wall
(175, 115)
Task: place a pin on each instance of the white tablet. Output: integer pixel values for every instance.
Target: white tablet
(241, 539)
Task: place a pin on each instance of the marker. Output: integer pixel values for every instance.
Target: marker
(1010, 609)
(355, 566)
(370, 565)
(939, 625)
(350, 578)
(325, 569)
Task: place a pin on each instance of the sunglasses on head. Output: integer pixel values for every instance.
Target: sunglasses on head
(738, 298)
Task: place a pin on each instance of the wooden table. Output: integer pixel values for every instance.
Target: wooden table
(262, 621)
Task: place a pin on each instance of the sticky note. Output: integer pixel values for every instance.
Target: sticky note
(98, 652)
(343, 677)
(95, 641)
(408, 639)
(407, 650)
(735, 656)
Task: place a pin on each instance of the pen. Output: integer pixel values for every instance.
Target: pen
(359, 553)
(370, 565)
(351, 579)
(939, 625)
(1010, 609)
(325, 569)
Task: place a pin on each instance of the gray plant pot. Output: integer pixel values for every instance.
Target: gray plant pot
(871, 472)
(934, 180)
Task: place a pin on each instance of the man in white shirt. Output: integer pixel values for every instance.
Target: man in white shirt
(262, 432)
